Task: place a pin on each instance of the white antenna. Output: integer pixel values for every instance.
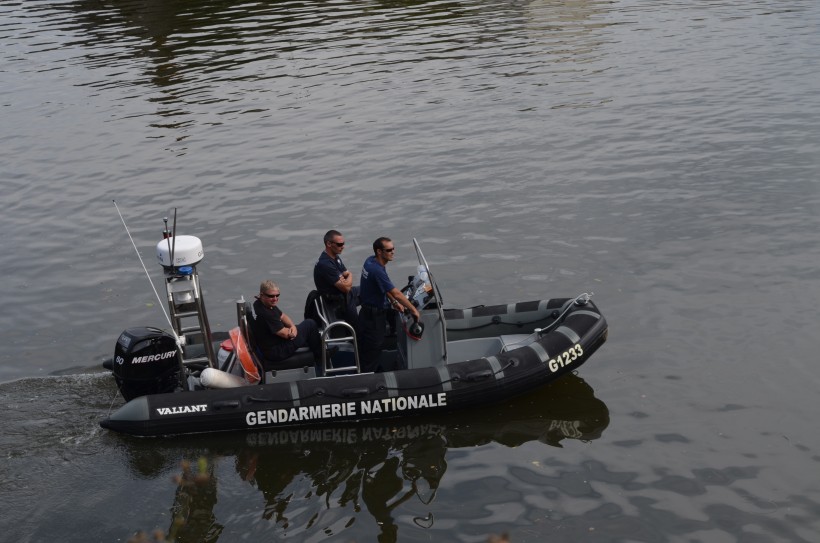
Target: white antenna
(161, 306)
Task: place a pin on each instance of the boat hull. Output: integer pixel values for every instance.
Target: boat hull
(371, 396)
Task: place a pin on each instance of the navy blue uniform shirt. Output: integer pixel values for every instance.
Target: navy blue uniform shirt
(327, 272)
(374, 284)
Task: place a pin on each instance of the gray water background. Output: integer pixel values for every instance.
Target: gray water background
(663, 155)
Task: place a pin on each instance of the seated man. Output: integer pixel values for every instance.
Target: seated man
(276, 336)
(333, 280)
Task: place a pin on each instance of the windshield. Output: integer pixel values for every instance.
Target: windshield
(425, 290)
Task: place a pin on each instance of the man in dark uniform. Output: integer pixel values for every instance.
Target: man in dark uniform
(377, 293)
(333, 280)
(276, 336)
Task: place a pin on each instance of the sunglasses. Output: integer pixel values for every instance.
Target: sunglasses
(390, 250)
(266, 295)
(342, 244)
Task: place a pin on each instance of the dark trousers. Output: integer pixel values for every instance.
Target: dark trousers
(371, 332)
(307, 336)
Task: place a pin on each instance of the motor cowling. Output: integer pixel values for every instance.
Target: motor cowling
(145, 362)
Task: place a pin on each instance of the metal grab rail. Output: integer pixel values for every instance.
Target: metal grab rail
(327, 327)
(326, 341)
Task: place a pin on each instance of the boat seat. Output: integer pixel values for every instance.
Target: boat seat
(301, 360)
(322, 309)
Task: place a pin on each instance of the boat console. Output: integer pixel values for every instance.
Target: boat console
(433, 348)
(424, 343)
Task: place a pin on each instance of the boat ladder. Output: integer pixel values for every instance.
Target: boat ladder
(188, 316)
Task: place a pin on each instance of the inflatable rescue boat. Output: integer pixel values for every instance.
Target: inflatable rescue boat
(190, 380)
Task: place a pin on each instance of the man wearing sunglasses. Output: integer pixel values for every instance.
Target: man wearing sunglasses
(377, 294)
(277, 337)
(333, 280)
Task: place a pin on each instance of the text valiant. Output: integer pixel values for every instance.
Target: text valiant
(182, 409)
(346, 409)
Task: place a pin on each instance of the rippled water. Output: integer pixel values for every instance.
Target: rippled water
(661, 154)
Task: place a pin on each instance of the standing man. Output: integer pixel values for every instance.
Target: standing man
(377, 293)
(333, 280)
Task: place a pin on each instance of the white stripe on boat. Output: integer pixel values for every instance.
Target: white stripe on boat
(444, 375)
(586, 312)
(391, 384)
(540, 351)
(496, 366)
(569, 333)
(294, 394)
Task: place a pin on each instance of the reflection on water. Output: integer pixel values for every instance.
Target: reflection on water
(369, 467)
(189, 52)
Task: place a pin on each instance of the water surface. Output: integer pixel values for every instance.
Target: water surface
(662, 155)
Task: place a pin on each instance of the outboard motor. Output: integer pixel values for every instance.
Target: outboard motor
(145, 362)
